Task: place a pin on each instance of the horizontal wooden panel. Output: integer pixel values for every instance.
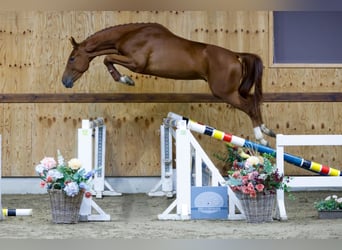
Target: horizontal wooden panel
(159, 98)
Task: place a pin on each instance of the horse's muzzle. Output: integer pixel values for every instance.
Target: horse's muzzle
(67, 82)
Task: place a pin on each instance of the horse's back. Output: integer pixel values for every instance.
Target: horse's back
(162, 53)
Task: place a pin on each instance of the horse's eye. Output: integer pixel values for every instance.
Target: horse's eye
(71, 59)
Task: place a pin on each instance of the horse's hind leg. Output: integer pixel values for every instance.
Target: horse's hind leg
(254, 112)
(248, 106)
(258, 119)
(109, 62)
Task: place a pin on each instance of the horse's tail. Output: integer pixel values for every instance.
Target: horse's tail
(252, 75)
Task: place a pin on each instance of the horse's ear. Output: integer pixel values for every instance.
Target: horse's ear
(73, 42)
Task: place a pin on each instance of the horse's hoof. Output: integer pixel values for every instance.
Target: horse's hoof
(267, 131)
(127, 80)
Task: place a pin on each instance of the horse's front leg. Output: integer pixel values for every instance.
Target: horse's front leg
(259, 137)
(109, 62)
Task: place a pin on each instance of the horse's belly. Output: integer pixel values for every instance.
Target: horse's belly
(176, 66)
(175, 73)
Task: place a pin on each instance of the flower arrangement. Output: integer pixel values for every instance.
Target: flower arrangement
(251, 173)
(330, 203)
(70, 177)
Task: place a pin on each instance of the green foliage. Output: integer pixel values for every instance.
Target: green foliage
(329, 203)
(230, 156)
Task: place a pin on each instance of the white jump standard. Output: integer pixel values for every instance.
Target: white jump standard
(165, 187)
(91, 152)
(331, 178)
(92, 148)
(189, 153)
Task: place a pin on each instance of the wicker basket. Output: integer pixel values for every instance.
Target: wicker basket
(259, 209)
(65, 209)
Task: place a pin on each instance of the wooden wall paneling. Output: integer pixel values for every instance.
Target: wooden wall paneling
(243, 31)
(294, 80)
(273, 81)
(310, 81)
(260, 34)
(308, 118)
(330, 79)
(55, 127)
(8, 54)
(132, 138)
(47, 52)
(198, 22)
(17, 139)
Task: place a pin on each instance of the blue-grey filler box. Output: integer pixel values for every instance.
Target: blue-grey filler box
(210, 203)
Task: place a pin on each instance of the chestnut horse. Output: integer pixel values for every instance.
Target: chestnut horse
(150, 48)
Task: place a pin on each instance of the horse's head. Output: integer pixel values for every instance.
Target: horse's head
(77, 64)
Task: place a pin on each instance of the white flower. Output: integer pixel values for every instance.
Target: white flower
(327, 198)
(261, 160)
(60, 158)
(75, 163)
(262, 176)
(55, 174)
(331, 197)
(339, 200)
(253, 161)
(40, 169)
(71, 189)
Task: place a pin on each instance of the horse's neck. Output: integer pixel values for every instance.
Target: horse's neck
(106, 39)
(102, 41)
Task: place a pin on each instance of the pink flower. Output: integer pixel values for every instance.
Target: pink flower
(236, 174)
(87, 194)
(244, 190)
(42, 184)
(250, 186)
(253, 175)
(49, 179)
(245, 179)
(259, 187)
(48, 162)
(236, 188)
(252, 194)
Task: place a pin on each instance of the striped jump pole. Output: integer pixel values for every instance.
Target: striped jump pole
(16, 212)
(238, 141)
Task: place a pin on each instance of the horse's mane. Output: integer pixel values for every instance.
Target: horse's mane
(114, 26)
